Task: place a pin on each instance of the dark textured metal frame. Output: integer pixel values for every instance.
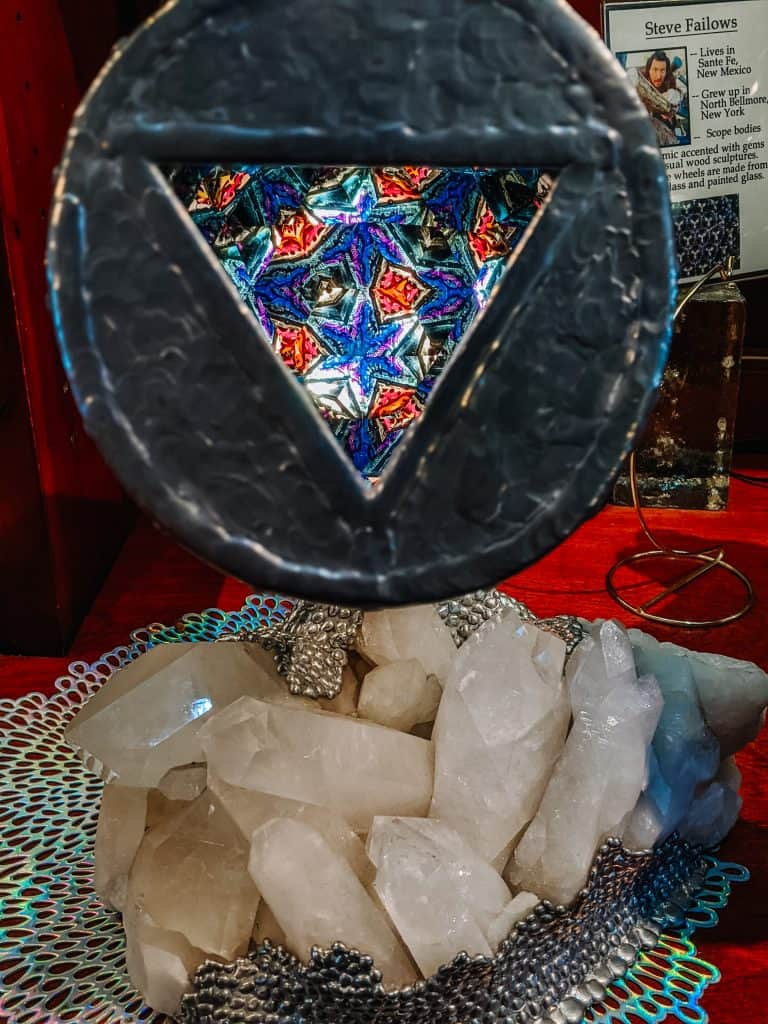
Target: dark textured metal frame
(536, 410)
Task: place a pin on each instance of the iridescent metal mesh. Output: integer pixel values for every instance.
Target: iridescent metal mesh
(62, 952)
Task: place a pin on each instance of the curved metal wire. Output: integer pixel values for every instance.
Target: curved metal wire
(708, 559)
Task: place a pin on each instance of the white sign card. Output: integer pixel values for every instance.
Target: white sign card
(701, 71)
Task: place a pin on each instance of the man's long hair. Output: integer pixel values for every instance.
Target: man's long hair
(670, 82)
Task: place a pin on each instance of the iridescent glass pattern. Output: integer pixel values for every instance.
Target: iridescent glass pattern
(365, 279)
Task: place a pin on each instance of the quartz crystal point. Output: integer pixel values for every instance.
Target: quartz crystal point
(400, 695)
(178, 787)
(146, 719)
(250, 809)
(356, 768)
(191, 876)
(318, 900)
(183, 784)
(122, 818)
(601, 773)
(733, 694)
(160, 963)
(685, 752)
(500, 727)
(403, 634)
(715, 810)
(442, 897)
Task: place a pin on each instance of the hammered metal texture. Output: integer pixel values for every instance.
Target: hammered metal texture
(466, 614)
(176, 381)
(62, 952)
(540, 972)
(309, 645)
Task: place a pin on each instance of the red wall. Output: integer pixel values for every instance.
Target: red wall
(62, 515)
(590, 10)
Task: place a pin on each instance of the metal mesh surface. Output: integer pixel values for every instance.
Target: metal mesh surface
(62, 952)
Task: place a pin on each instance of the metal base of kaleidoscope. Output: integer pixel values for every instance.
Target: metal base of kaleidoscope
(624, 952)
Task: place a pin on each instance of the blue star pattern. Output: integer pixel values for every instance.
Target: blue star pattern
(364, 279)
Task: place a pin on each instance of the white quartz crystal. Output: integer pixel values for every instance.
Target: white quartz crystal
(601, 773)
(442, 897)
(733, 694)
(359, 769)
(146, 719)
(317, 899)
(250, 809)
(160, 963)
(500, 727)
(191, 876)
(400, 695)
(122, 818)
(178, 787)
(715, 811)
(402, 634)
(185, 783)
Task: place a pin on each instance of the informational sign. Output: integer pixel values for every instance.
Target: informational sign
(701, 71)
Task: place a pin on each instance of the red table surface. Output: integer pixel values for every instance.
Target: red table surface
(154, 580)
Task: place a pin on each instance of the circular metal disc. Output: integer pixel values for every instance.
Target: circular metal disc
(536, 409)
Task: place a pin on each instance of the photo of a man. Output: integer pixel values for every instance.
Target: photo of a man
(661, 80)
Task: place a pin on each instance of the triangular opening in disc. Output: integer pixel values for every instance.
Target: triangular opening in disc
(365, 279)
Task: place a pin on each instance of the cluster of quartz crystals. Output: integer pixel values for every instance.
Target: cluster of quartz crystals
(422, 813)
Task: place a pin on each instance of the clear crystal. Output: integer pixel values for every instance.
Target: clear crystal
(160, 963)
(359, 769)
(122, 818)
(250, 809)
(442, 897)
(403, 634)
(500, 727)
(400, 695)
(191, 876)
(317, 899)
(146, 719)
(183, 784)
(601, 773)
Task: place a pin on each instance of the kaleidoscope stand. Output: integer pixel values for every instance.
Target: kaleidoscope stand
(705, 560)
(62, 952)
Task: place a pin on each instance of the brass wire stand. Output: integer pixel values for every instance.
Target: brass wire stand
(709, 559)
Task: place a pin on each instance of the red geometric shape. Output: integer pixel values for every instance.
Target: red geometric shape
(487, 239)
(296, 234)
(397, 292)
(216, 193)
(393, 408)
(297, 345)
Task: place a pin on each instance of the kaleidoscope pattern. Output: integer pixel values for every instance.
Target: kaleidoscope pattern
(364, 279)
